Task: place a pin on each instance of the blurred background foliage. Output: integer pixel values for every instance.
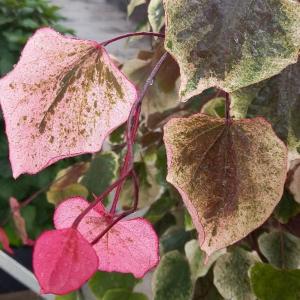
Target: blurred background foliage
(240, 272)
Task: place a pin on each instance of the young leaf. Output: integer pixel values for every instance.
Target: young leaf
(196, 258)
(281, 249)
(131, 246)
(230, 176)
(231, 274)
(278, 100)
(63, 260)
(19, 221)
(230, 44)
(62, 99)
(269, 283)
(5, 241)
(172, 278)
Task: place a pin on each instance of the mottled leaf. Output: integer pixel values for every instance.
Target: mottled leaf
(163, 93)
(19, 221)
(281, 249)
(63, 260)
(230, 176)
(156, 15)
(5, 241)
(102, 171)
(231, 44)
(102, 282)
(197, 259)
(294, 184)
(278, 100)
(131, 246)
(172, 278)
(231, 275)
(118, 294)
(269, 283)
(62, 99)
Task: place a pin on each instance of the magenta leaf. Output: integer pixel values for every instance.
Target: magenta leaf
(131, 246)
(4, 241)
(19, 221)
(62, 99)
(63, 260)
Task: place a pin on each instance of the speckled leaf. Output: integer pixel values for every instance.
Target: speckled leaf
(63, 260)
(131, 246)
(62, 99)
(231, 275)
(163, 93)
(278, 100)
(230, 176)
(196, 257)
(294, 184)
(172, 278)
(269, 283)
(156, 14)
(231, 44)
(281, 249)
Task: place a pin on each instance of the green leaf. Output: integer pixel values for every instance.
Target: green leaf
(230, 44)
(159, 208)
(197, 259)
(71, 296)
(281, 249)
(132, 5)
(269, 283)
(172, 278)
(156, 15)
(278, 100)
(121, 294)
(101, 282)
(72, 190)
(215, 107)
(287, 208)
(102, 171)
(231, 274)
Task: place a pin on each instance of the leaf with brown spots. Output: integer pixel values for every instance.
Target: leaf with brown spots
(62, 99)
(231, 44)
(230, 175)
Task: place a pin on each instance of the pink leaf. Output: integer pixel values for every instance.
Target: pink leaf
(19, 221)
(63, 260)
(131, 246)
(62, 99)
(4, 241)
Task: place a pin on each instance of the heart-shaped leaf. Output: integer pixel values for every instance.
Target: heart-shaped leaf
(131, 246)
(62, 99)
(63, 260)
(231, 44)
(230, 175)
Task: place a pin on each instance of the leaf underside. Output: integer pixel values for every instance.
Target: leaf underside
(230, 176)
(62, 99)
(231, 44)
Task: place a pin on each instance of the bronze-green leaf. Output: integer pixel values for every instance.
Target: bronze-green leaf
(231, 44)
(230, 175)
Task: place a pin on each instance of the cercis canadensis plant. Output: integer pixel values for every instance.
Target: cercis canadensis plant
(66, 96)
